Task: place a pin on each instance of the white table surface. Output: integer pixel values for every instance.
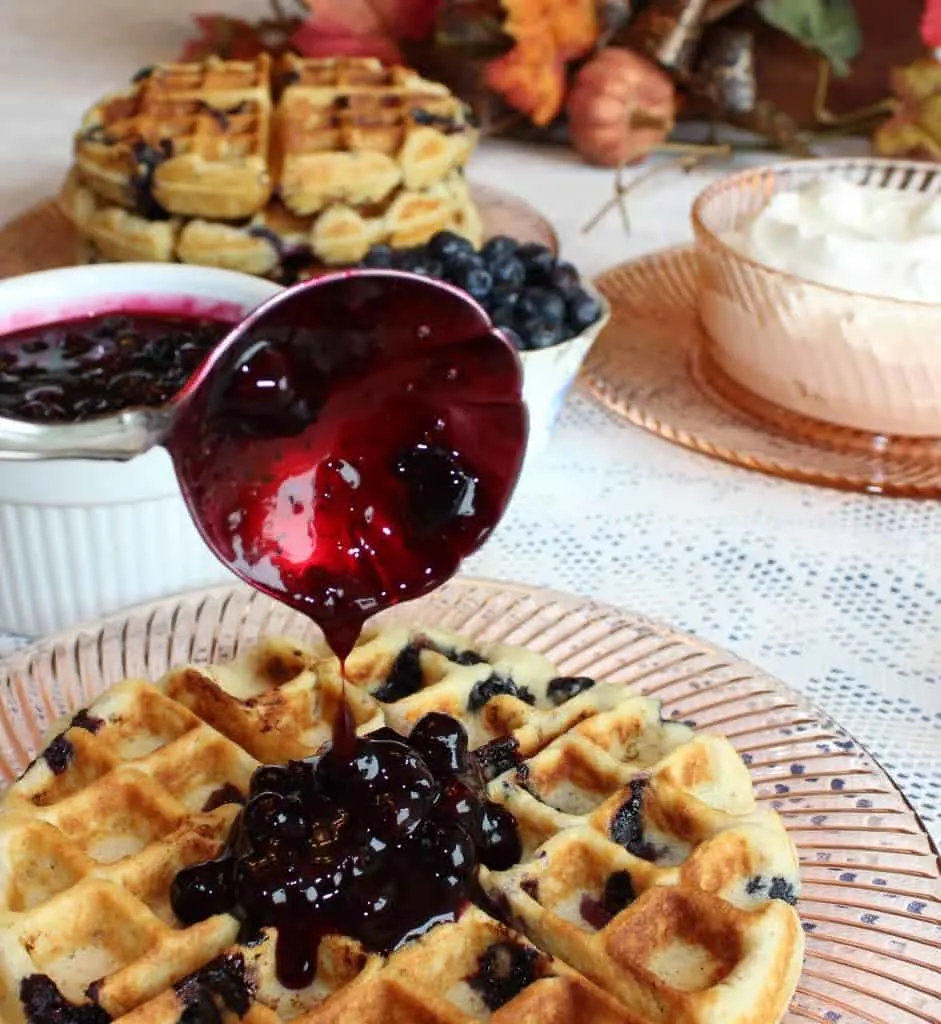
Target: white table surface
(839, 595)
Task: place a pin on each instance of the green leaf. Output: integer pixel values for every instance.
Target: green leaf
(829, 26)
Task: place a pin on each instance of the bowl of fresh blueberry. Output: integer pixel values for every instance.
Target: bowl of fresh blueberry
(549, 313)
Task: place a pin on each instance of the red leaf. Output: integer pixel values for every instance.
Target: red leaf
(231, 38)
(931, 24)
(310, 40)
(396, 19)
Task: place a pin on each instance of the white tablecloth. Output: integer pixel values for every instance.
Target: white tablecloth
(839, 595)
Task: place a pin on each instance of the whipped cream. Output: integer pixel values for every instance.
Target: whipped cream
(877, 241)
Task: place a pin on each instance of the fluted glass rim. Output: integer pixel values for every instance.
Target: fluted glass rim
(767, 176)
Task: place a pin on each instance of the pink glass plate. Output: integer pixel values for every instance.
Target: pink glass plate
(648, 367)
(871, 902)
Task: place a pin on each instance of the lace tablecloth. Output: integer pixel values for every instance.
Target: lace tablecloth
(839, 595)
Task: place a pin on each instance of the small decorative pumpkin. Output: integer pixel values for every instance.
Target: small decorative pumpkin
(620, 107)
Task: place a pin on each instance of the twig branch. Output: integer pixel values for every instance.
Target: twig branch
(688, 156)
(824, 116)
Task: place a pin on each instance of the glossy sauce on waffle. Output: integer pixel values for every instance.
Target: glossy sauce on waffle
(647, 885)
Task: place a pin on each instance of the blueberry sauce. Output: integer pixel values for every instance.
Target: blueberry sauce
(363, 438)
(381, 843)
(72, 371)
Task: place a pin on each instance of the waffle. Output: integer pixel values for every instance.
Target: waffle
(215, 140)
(649, 889)
(353, 132)
(192, 138)
(275, 240)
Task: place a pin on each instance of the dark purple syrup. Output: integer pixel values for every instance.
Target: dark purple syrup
(380, 843)
(355, 449)
(364, 439)
(72, 371)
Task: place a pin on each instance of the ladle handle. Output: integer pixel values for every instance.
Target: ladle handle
(115, 438)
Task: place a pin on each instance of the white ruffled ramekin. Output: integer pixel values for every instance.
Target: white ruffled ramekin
(79, 539)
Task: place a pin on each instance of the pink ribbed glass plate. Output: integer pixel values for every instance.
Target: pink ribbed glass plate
(871, 904)
(647, 366)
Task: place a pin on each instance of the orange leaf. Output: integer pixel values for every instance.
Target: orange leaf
(531, 77)
(548, 33)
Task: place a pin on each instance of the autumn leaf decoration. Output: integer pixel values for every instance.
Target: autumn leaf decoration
(365, 28)
(931, 25)
(547, 35)
(318, 28)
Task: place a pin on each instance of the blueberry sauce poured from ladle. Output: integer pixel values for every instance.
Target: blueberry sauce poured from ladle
(352, 442)
(361, 439)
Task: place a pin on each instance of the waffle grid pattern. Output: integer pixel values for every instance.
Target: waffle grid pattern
(251, 167)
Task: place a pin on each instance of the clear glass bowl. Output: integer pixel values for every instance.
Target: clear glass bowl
(843, 369)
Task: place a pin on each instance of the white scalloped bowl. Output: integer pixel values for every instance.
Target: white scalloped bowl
(548, 375)
(79, 538)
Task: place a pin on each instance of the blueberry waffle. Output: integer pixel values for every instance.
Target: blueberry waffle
(274, 242)
(494, 842)
(202, 162)
(354, 132)
(185, 139)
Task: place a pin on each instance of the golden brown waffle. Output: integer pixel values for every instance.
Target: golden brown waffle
(274, 240)
(192, 138)
(215, 140)
(650, 887)
(352, 131)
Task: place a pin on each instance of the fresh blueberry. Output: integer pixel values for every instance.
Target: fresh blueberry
(445, 245)
(476, 281)
(538, 261)
(583, 309)
(514, 339)
(460, 263)
(537, 333)
(503, 310)
(379, 257)
(509, 275)
(408, 259)
(565, 279)
(498, 248)
(541, 303)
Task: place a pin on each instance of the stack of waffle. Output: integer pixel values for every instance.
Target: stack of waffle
(651, 888)
(266, 169)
